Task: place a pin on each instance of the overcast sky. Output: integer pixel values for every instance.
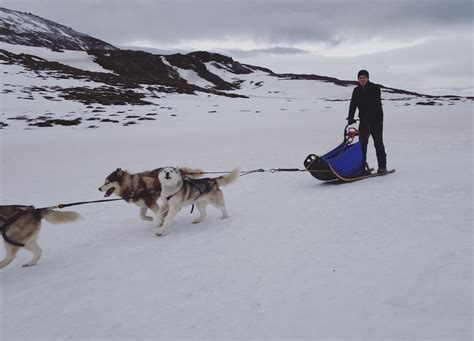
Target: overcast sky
(420, 45)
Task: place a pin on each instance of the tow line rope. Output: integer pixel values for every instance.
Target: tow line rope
(148, 193)
(141, 195)
(259, 170)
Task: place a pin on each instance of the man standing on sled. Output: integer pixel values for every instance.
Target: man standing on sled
(366, 97)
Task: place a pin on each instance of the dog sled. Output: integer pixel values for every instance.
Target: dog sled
(344, 163)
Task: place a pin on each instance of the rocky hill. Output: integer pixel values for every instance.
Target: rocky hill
(31, 30)
(42, 60)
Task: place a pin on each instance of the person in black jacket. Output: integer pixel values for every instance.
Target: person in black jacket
(366, 97)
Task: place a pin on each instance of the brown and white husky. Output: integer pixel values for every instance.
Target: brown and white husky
(142, 189)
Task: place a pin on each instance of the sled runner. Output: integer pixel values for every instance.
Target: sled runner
(343, 163)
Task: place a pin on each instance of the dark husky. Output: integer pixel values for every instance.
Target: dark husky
(142, 189)
(20, 226)
(178, 192)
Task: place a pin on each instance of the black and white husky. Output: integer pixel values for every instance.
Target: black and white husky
(178, 191)
(142, 189)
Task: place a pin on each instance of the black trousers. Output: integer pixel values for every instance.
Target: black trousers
(374, 129)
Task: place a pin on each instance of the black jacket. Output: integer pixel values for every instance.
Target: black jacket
(368, 100)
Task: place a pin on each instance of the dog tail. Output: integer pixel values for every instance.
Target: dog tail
(191, 172)
(229, 178)
(57, 217)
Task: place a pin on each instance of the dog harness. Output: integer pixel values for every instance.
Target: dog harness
(7, 222)
(203, 186)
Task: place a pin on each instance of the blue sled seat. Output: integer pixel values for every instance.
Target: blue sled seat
(344, 161)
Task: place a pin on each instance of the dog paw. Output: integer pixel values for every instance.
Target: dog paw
(147, 218)
(26, 265)
(196, 221)
(224, 217)
(160, 233)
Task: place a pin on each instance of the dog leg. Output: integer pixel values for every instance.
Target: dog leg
(201, 207)
(36, 250)
(143, 214)
(219, 203)
(11, 254)
(162, 214)
(173, 211)
(155, 208)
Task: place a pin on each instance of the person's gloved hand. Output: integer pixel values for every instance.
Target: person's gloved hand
(350, 120)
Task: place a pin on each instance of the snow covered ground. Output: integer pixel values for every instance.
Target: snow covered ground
(78, 59)
(385, 258)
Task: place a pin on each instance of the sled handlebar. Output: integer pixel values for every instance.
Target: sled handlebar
(350, 133)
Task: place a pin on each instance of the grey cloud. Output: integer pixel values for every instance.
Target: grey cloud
(265, 21)
(269, 51)
(431, 67)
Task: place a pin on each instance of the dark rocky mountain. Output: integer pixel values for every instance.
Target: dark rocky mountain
(146, 68)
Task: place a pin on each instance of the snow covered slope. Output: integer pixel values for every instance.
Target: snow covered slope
(94, 79)
(76, 59)
(43, 97)
(31, 30)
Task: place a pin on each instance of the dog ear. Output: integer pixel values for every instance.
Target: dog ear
(119, 172)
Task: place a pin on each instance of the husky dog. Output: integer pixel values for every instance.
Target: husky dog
(142, 189)
(178, 192)
(20, 226)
